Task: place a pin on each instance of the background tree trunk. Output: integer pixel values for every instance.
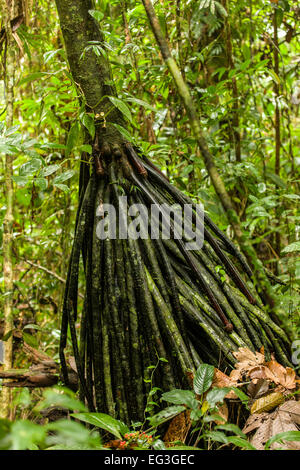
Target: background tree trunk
(8, 219)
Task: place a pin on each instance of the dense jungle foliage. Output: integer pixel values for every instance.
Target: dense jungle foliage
(240, 61)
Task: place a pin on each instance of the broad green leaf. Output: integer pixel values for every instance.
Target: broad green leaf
(53, 145)
(217, 436)
(29, 339)
(165, 415)
(48, 170)
(63, 187)
(88, 122)
(86, 148)
(72, 138)
(24, 434)
(124, 132)
(181, 397)
(63, 398)
(20, 180)
(32, 326)
(182, 447)
(66, 175)
(30, 168)
(32, 76)
(141, 103)
(42, 183)
(104, 421)
(276, 179)
(98, 15)
(203, 378)
(292, 247)
(121, 106)
(216, 395)
(159, 445)
(72, 435)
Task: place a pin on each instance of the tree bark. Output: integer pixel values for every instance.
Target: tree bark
(8, 218)
(91, 73)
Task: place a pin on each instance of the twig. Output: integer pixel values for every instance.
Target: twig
(48, 271)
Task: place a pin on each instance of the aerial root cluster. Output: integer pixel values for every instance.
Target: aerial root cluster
(146, 299)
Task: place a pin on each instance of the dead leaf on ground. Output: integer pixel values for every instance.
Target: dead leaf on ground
(178, 429)
(258, 389)
(284, 418)
(222, 380)
(284, 376)
(247, 361)
(267, 403)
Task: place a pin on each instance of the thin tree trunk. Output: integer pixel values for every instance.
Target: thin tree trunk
(235, 106)
(277, 125)
(8, 218)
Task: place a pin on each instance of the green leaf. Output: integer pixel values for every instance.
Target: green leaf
(63, 187)
(72, 435)
(159, 445)
(32, 326)
(41, 183)
(276, 179)
(283, 436)
(86, 148)
(66, 175)
(61, 397)
(121, 106)
(24, 434)
(29, 339)
(88, 122)
(20, 180)
(104, 421)
(216, 395)
(240, 442)
(124, 132)
(217, 436)
(72, 138)
(165, 415)
(203, 378)
(182, 447)
(32, 76)
(232, 428)
(181, 397)
(48, 170)
(142, 103)
(241, 395)
(30, 168)
(291, 248)
(98, 15)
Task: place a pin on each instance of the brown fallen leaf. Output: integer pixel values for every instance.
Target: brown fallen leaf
(281, 375)
(292, 408)
(222, 380)
(254, 421)
(284, 418)
(267, 403)
(178, 429)
(258, 389)
(247, 361)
